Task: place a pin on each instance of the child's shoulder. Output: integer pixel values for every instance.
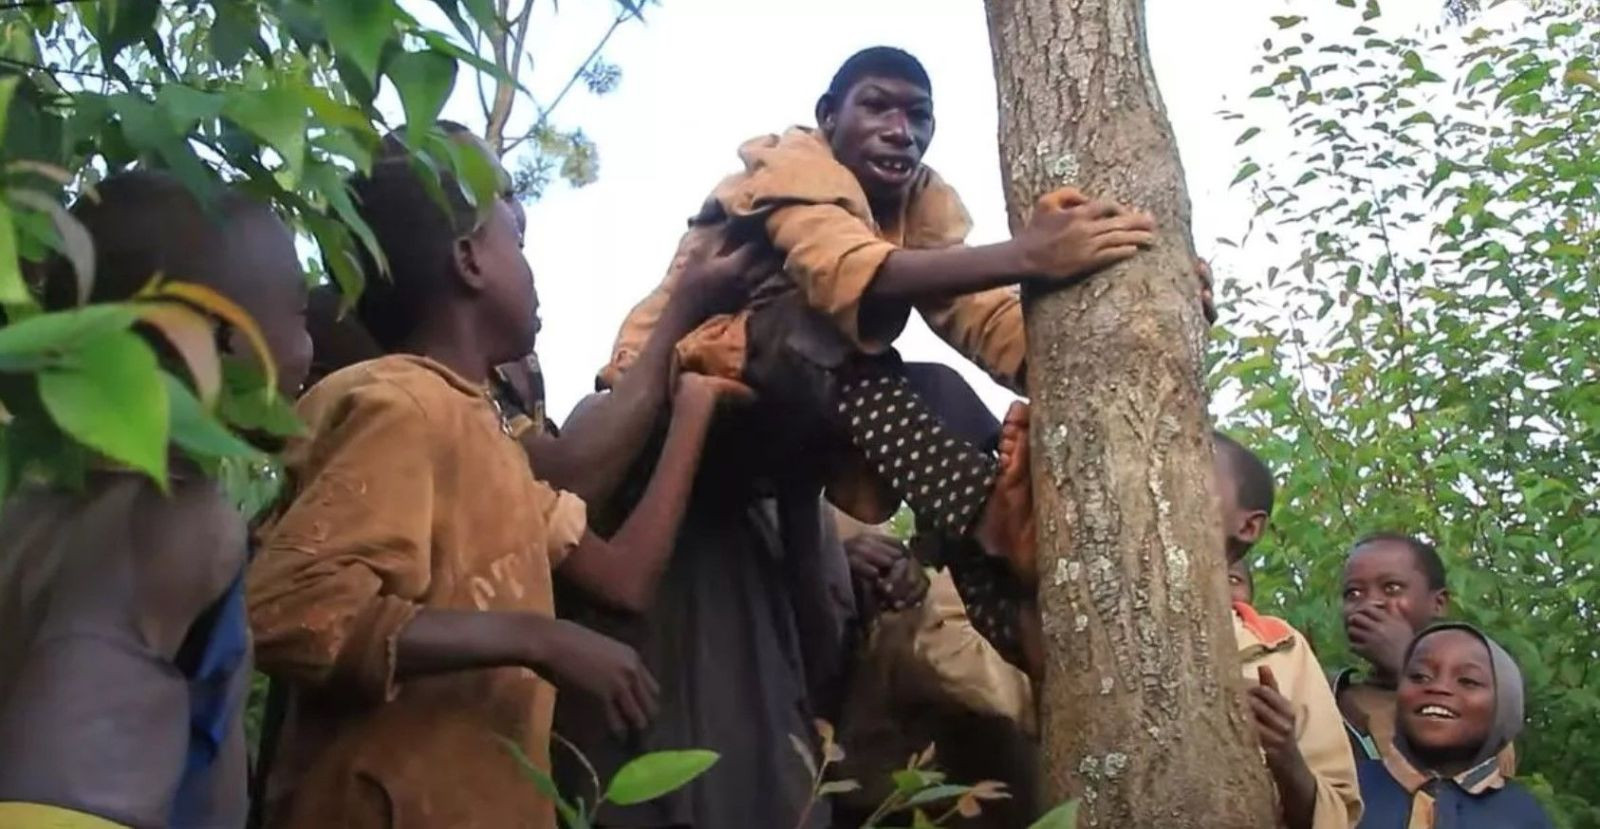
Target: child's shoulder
(398, 381)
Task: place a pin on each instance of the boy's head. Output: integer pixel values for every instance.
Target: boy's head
(443, 261)
(1245, 491)
(878, 117)
(1459, 699)
(1241, 583)
(1397, 574)
(146, 223)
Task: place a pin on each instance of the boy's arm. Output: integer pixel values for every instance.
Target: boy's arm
(335, 590)
(866, 285)
(601, 440)
(625, 570)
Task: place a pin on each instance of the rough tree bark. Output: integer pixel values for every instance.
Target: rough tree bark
(1141, 709)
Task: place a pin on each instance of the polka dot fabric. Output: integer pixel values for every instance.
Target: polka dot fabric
(944, 479)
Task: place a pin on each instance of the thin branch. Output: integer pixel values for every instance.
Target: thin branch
(81, 73)
(594, 54)
(38, 4)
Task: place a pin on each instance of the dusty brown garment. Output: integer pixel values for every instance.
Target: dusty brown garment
(407, 494)
(827, 246)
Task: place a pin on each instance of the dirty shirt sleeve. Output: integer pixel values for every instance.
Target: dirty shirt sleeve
(342, 570)
(566, 520)
(956, 665)
(986, 328)
(833, 257)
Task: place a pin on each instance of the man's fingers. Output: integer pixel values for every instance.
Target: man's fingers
(1264, 674)
(1125, 238)
(1062, 199)
(1106, 257)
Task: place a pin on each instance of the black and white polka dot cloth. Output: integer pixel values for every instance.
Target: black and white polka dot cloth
(944, 479)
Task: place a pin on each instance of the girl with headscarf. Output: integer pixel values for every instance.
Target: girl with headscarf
(1459, 703)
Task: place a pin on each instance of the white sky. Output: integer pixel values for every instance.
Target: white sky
(700, 76)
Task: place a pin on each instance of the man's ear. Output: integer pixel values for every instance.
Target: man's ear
(468, 264)
(1441, 602)
(827, 113)
(1253, 527)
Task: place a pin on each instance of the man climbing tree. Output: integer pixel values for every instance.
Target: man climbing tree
(1141, 718)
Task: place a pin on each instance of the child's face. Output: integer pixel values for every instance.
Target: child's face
(1446, 694)
(272, 289)
(1239, 586)
(1384, 575)
(879, 131)
(512, 302)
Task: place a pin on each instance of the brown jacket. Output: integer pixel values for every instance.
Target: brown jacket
(407, 495)
(828, 246)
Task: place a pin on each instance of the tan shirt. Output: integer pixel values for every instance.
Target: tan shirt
(827, 245)
(407, 494)
(1271, 642)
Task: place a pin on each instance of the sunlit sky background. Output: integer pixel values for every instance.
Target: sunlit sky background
(700, 76)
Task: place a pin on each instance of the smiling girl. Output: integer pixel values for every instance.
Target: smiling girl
(1459, 702)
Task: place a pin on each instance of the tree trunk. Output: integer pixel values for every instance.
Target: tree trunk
(1142, 712)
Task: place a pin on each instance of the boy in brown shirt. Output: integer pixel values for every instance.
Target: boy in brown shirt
(405, 591)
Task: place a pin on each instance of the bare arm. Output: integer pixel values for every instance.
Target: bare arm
(1067, 237)
(599, 442)
(625, 570)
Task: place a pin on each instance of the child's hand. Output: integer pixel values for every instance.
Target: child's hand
(1070, 236)
(1274, 720)
(904, 586)
(576, 657)
(717, 280)
(1380, 637)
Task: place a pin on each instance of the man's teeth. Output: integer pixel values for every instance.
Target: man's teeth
(895, 165)
(1437, 711)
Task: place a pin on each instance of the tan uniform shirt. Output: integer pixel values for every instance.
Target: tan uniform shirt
(1271, 642)
(407, 495)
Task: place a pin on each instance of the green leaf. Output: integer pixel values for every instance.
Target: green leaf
(834, 787)
(653, 775)
(424, 81)
(235, 31)
(481, 179)
(249, 404)
(1247, 135)
(41, 340)
(276, 116)
(123, 23)
(110, 397)
(1479, 72)
(1064, 816)
(1248, 170)
(186, 106)
(934, 794)
(196, 430)
(149, 131)
(358, 30)
(13, 290)
(1288, 21)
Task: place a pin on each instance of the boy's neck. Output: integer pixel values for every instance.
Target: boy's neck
(455, 342)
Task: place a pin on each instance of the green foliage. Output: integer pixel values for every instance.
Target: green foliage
(1426, 357)
(277, 97)
(643, 779)
(919, 792)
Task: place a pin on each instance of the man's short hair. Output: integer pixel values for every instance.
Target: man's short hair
(877, 62)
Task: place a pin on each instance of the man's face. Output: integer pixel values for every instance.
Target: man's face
(880, 131)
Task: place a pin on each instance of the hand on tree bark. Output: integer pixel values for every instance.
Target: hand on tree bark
(1069, 236)
(1208, 304)
(1275, 724)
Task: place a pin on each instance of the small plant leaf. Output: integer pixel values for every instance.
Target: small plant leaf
(653, 775)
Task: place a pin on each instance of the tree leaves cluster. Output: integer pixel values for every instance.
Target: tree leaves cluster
(1427, 356)
(276, 97)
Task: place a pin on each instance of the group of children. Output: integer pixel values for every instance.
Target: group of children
(690, 559)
